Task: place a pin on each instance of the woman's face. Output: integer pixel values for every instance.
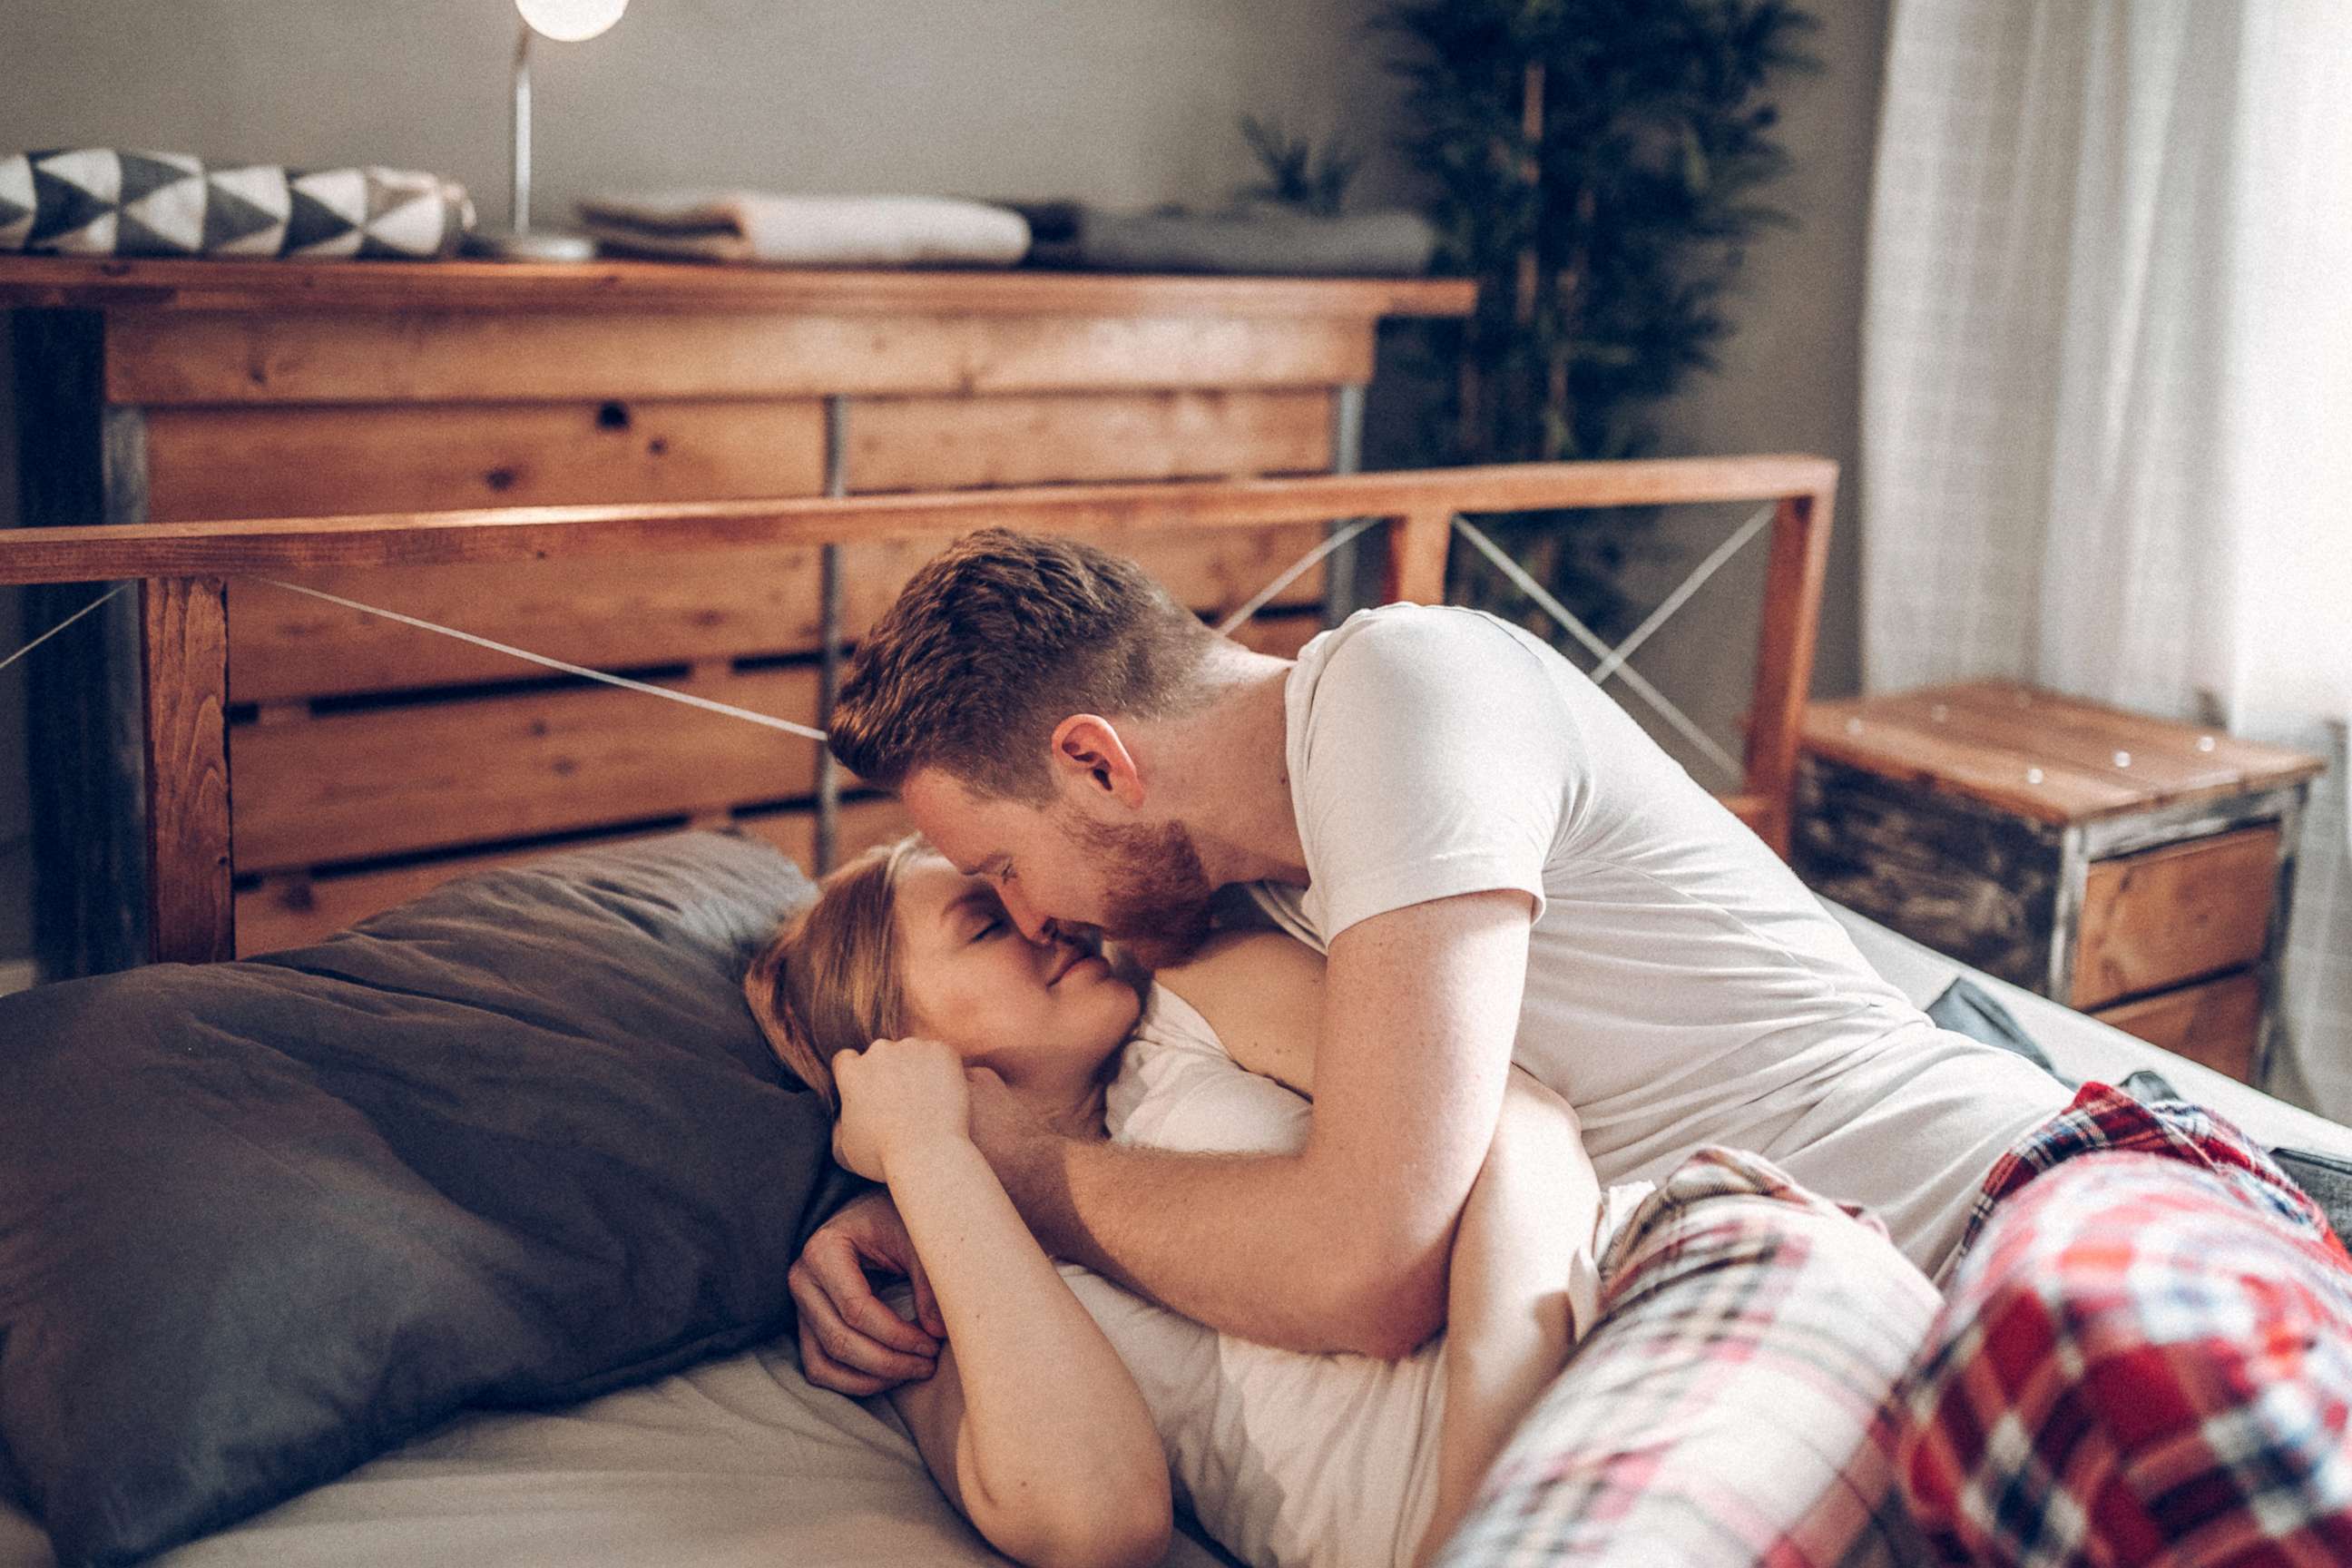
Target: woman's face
(1033, 1012)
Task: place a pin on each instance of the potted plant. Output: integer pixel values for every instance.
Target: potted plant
(1597, 166)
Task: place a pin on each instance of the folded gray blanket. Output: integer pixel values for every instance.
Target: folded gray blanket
(1262, 240)
(97, 201)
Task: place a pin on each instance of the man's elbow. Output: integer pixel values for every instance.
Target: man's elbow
(1387, 1305)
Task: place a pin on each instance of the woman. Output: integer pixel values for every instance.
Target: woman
(1060, 1405)
(1045, 1418)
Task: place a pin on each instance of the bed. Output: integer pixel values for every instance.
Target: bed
(740, 1461)
(734, 1458)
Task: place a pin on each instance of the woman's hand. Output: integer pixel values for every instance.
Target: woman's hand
(895, 1095)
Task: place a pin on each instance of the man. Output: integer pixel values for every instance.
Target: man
(1500, 866)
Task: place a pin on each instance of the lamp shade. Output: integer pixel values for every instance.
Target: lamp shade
(571, 21)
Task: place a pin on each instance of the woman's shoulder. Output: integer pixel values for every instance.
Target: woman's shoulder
(1262, 994)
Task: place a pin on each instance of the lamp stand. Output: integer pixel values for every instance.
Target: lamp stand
(518, 241)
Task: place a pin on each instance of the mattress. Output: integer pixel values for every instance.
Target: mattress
(742, 1462)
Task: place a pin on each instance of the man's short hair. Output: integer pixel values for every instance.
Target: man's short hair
(992, 644)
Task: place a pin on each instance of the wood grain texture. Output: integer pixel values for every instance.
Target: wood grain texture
(1418, 542)
(1281, 635)
(865, 822)
(352, 787)
(1784, 657)
(955, 442)
(324, 460)
(2218, 1024)
(2164, 916)
(2054, 758)
(161, 359)
(275, 286)
(1121, 512)
(295, 910)
(627, 612)
(1965, 878)
(184, 655)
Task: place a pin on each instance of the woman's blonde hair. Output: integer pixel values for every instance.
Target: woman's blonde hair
(828, 981)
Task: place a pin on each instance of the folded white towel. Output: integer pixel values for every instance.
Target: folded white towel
(809, 231)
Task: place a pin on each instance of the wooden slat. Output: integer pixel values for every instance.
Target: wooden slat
(1211, 572)
(2218, 1024)
(2145, 756)
(353, 786)
(1123, 512)
(274, 285)
(1281, 635)
(1417, 545)
(1987, 739)
(954, 443)
(628, 611)
(184, 650)
(2155, 918)
(312, 460)
(1911, 750)
(877, 819)
(1758, 813)
(157, 359)
(290, 911)
(1784, 659)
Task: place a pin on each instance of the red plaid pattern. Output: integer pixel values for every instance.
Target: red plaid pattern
(1749, 1336)
(2146, 1358)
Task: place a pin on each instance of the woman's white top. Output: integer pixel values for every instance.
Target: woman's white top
(1291, 1460)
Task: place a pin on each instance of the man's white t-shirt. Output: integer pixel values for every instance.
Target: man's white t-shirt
(1683, 987)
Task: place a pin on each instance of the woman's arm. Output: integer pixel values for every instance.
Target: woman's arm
(1508, 1324)
(1031, 1423)
(1532, 1209)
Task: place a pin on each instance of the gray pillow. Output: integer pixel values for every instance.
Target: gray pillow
(515, 1144)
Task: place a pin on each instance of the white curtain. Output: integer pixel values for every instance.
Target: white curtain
(2107, 390)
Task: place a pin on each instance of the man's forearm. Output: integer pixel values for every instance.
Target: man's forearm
(1246, 1244)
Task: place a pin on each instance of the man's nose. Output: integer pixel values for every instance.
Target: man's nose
(1035, 925)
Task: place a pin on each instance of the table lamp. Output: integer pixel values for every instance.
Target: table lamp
(565, 22)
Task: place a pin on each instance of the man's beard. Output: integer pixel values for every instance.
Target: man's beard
(1157, 895)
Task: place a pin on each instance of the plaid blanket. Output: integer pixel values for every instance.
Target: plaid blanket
(1723, 1409)
(2146, 1358)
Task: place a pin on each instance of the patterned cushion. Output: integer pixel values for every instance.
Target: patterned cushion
(96, 201)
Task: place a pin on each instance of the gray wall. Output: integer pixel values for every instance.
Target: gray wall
(1122, 102)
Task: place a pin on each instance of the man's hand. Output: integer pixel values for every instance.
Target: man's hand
(851, 1341)
(1021, 1147)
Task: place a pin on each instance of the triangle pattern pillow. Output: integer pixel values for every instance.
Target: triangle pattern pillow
(97, 201)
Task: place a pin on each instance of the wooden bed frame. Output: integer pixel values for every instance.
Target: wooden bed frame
(183, 571)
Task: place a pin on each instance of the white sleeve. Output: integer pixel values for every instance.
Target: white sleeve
(1204, 1102)
(1442, 758)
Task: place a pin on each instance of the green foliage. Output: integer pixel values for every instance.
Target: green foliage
(1295, 177)
(1606, 243)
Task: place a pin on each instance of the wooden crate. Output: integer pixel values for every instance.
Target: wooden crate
(2136, 869)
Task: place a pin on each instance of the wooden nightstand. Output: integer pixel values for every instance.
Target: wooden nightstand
(2136, 869)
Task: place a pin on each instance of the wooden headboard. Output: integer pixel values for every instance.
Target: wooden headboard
(185, 572)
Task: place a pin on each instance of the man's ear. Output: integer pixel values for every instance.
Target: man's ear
(1089, 756)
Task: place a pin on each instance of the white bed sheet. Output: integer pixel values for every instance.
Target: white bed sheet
(738, 1463)
(741, 1462)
